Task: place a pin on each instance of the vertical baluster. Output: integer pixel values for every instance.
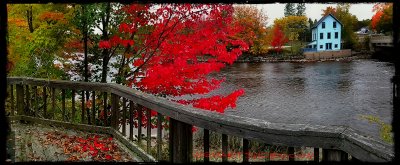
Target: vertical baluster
(316, 154)
(98, 110)
(139, 111)
(206, 144)
(73, 106)
(83, 108)
(224, 148)
(131, 104)
(44, 102)
(114, 111)
(87, 109)
(12, 100)
(105, 108)
(36, 101)
(93, 108)
(124, 116)
(245, 150)
(159, 135)
(63, 104)
(344, 156)
(20, 99)
(53, 102)
(28, 97)
(148, 130)
(171, 138)
(291, 153)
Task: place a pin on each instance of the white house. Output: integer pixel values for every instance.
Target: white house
(326, 34)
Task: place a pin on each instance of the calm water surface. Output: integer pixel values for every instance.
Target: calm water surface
(323, 93)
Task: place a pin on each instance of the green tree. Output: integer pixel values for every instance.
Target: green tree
(349, 21)
(289, 9)
(301, 9)
(84, 20)
(294, 28)
(36, 35)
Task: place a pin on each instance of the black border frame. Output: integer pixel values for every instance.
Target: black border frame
(3, 53)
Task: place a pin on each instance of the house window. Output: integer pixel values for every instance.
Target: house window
(323, 25)
(329, 35)
(320, 46)
(321, 35)
(335, 45)
(336, 34)
(334, 24)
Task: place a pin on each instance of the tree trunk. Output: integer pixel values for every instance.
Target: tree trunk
(85, 40)
(29, 19)
(105, 53)
(104, 67)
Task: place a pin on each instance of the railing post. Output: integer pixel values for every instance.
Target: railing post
(206, 144)
(159, 136)
(333, 155)
(114, 110)
(20, 99)
(73, 106)
(27, 97)
(245, 150)
(44, 102)
(12, 100)
(316, 154)
(53, 102)
(224, 148)
(105, 109)
(180, 142)
(63, 104)
(93, 108)
(291, 153)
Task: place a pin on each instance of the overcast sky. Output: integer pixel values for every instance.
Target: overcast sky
(314, 11)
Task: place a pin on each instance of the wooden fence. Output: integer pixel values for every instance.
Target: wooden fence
(37, 100)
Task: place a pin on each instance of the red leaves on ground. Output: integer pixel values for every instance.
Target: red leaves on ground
(99, 148)
(108, 157)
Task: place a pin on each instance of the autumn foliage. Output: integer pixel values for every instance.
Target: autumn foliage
(254, 31)
(279, 39)
(382, 19)
(329, 10)
(177, 47)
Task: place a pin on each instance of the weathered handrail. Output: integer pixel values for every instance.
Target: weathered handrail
(341, 138)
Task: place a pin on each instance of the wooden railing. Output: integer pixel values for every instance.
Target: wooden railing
(28, 99)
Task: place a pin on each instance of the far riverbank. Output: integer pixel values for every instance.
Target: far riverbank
(299, 58)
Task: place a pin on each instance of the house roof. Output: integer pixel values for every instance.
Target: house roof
(323, 18)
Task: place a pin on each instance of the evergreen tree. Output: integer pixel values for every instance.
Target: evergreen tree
(290, 9)
(310, 22)
(301, 8)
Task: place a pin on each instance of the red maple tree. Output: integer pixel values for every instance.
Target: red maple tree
(177, 47)
(279, 39)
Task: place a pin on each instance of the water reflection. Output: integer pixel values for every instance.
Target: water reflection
(325, 93)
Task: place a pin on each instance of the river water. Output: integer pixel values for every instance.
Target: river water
(322, 93)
